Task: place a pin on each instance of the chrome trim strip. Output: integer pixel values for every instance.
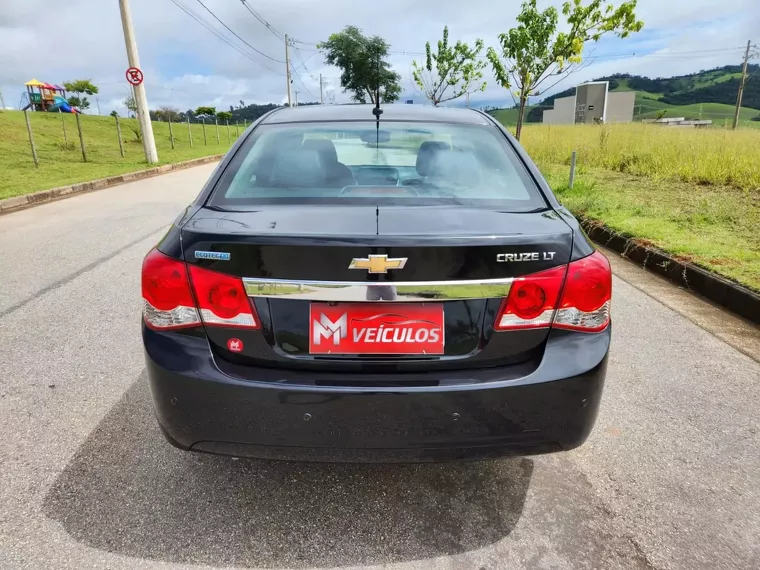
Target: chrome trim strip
(361, 291)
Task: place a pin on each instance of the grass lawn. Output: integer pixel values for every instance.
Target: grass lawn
(716, 227)
(702, 156)
(62, 164)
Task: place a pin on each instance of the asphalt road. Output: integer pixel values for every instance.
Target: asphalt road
(670, 478)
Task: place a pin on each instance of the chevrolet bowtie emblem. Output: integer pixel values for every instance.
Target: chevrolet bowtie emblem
(377, 263)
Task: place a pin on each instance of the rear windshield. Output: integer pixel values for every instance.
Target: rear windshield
(398, 163)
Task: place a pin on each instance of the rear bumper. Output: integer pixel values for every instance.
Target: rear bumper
(472, 415)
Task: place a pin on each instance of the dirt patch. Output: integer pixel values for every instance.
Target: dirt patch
(641, 242)
(723, 262)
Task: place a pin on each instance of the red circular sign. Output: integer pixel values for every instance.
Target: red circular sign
(134, 76)
(235, 345)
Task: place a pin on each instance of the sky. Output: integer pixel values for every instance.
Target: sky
(186, 66)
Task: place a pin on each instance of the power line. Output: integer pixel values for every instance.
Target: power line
(237, 36)
(312, 44)
(314, 97)
(220, 35)
(658, 55)
(261, 19)
(303, 62)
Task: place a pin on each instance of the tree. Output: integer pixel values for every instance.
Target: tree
(81, 87)
(456, 67)
(78, 102)
(205, 112)
(114, 113)
(224, 116)
(167, 114)
(131, 104)
(242, 104)
(534, 50)
(363, 70)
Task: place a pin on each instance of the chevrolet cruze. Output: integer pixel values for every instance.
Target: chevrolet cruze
(363, 284)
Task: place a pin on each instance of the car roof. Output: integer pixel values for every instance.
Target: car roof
(392, 112)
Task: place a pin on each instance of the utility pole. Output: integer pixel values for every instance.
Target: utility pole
(296, 101)
(287, 69)
(741, 86)
(97, 102)
(321, 93)
(141, 100)
(2, 101)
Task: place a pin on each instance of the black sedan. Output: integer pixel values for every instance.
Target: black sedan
(359, 286)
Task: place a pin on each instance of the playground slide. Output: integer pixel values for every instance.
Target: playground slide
(59, 103)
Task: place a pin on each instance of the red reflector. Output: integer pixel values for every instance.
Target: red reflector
(225, 300)
(222, 299)
(167, 300)
(531, 301)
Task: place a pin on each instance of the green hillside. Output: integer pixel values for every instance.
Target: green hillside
(507, 116)
(60, 160)
(719, 113)
(709, 95)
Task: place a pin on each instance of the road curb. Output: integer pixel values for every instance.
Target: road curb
(17, 203)
(715, 288)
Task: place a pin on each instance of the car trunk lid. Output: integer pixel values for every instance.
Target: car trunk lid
(303, 263)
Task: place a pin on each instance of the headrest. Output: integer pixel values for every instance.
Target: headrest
(427, 153)
(324, 147)
(456, 167)
(297, 168)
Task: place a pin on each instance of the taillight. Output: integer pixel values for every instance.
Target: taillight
(586, 296)
(585, 304)
(531, 301)
(222, 299)
(167, 300)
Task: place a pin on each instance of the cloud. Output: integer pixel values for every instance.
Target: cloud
(186, 65)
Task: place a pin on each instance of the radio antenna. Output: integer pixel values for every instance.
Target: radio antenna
(377, 111)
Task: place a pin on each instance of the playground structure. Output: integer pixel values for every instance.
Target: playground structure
(47, 97)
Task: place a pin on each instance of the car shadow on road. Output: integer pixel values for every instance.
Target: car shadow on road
(126, 491)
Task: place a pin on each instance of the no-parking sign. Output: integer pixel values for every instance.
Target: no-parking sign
(134, 76)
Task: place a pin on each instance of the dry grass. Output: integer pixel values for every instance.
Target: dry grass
(702, 156)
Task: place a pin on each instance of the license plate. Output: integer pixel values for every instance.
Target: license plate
(382, 328)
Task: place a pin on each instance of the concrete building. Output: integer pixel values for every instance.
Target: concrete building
(592, 102)
(563, 112)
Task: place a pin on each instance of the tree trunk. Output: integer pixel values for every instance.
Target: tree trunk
(520, 114)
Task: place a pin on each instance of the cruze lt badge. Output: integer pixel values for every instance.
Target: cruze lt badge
(377, 263)
(525, 256)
